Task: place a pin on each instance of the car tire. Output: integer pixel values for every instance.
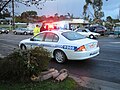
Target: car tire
(60, 56)
(91, 36)
(15, 33)
(23, 47)
(6, 32)
(25, 33)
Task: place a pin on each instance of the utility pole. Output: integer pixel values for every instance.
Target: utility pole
(13, 16)
(119, 13)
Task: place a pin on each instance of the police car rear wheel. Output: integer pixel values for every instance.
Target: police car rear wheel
(60, 57)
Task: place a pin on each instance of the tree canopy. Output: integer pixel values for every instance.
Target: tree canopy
(37, 3)
(97, 7)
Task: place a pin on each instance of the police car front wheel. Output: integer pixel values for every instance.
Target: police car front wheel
(23, 47)
(60, 56)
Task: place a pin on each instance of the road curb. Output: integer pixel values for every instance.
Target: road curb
(96, 84)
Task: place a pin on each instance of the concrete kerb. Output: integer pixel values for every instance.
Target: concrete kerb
(95, 84)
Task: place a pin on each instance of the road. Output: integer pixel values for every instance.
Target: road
(105, 66)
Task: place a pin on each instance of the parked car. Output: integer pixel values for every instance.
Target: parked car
(87, 33)
(4, 30)
(117, 31)
(24, 31)
(63, 45)
(98, 29)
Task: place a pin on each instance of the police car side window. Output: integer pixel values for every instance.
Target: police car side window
(51, 37)
(39, 37)
(56, 38)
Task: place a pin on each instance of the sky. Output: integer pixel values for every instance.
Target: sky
(75, 7)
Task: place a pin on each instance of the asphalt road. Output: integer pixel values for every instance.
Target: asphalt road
(106, 66)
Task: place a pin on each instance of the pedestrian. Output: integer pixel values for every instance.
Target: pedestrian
(42, 28)
(36, 30)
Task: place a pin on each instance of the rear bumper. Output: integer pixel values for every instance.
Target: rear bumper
(83, 55)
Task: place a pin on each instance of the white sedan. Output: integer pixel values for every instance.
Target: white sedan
(87, 33)
(63, 45)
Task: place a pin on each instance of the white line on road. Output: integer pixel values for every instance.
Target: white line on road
(115, 42)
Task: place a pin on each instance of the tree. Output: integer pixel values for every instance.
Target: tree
(109, 23)
(97, 7)
(109, 19)
(38, 3)
(5, 3)
(56, 17)
(3, 10)
(28, 16)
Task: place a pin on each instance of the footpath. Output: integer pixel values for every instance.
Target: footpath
(95, 84)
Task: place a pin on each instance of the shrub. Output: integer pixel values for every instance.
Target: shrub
(21, 64)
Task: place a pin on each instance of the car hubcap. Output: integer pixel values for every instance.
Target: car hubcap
(91, 36)
(59, 57)
(23, 47)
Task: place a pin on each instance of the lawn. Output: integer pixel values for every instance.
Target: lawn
(67, 84)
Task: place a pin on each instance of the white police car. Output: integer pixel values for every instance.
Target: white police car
(63, 45)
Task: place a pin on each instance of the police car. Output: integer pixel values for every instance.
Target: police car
(63, 45)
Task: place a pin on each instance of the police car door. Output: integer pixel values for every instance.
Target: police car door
(37, 41)
(51, 41)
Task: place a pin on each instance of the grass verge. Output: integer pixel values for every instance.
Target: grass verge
(67, 84)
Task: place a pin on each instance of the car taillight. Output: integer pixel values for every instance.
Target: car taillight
(81, 48)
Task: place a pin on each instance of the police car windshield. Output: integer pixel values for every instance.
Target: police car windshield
(71, 35)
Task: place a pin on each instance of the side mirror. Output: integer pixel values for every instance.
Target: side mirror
(31, 39)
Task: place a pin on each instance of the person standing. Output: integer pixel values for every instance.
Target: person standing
(43, 28)
(36, 30)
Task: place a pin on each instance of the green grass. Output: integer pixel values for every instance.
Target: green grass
(67, 84)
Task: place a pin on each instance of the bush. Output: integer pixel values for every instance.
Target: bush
(22, 64)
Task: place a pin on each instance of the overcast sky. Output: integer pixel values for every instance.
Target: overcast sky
(75, 7)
